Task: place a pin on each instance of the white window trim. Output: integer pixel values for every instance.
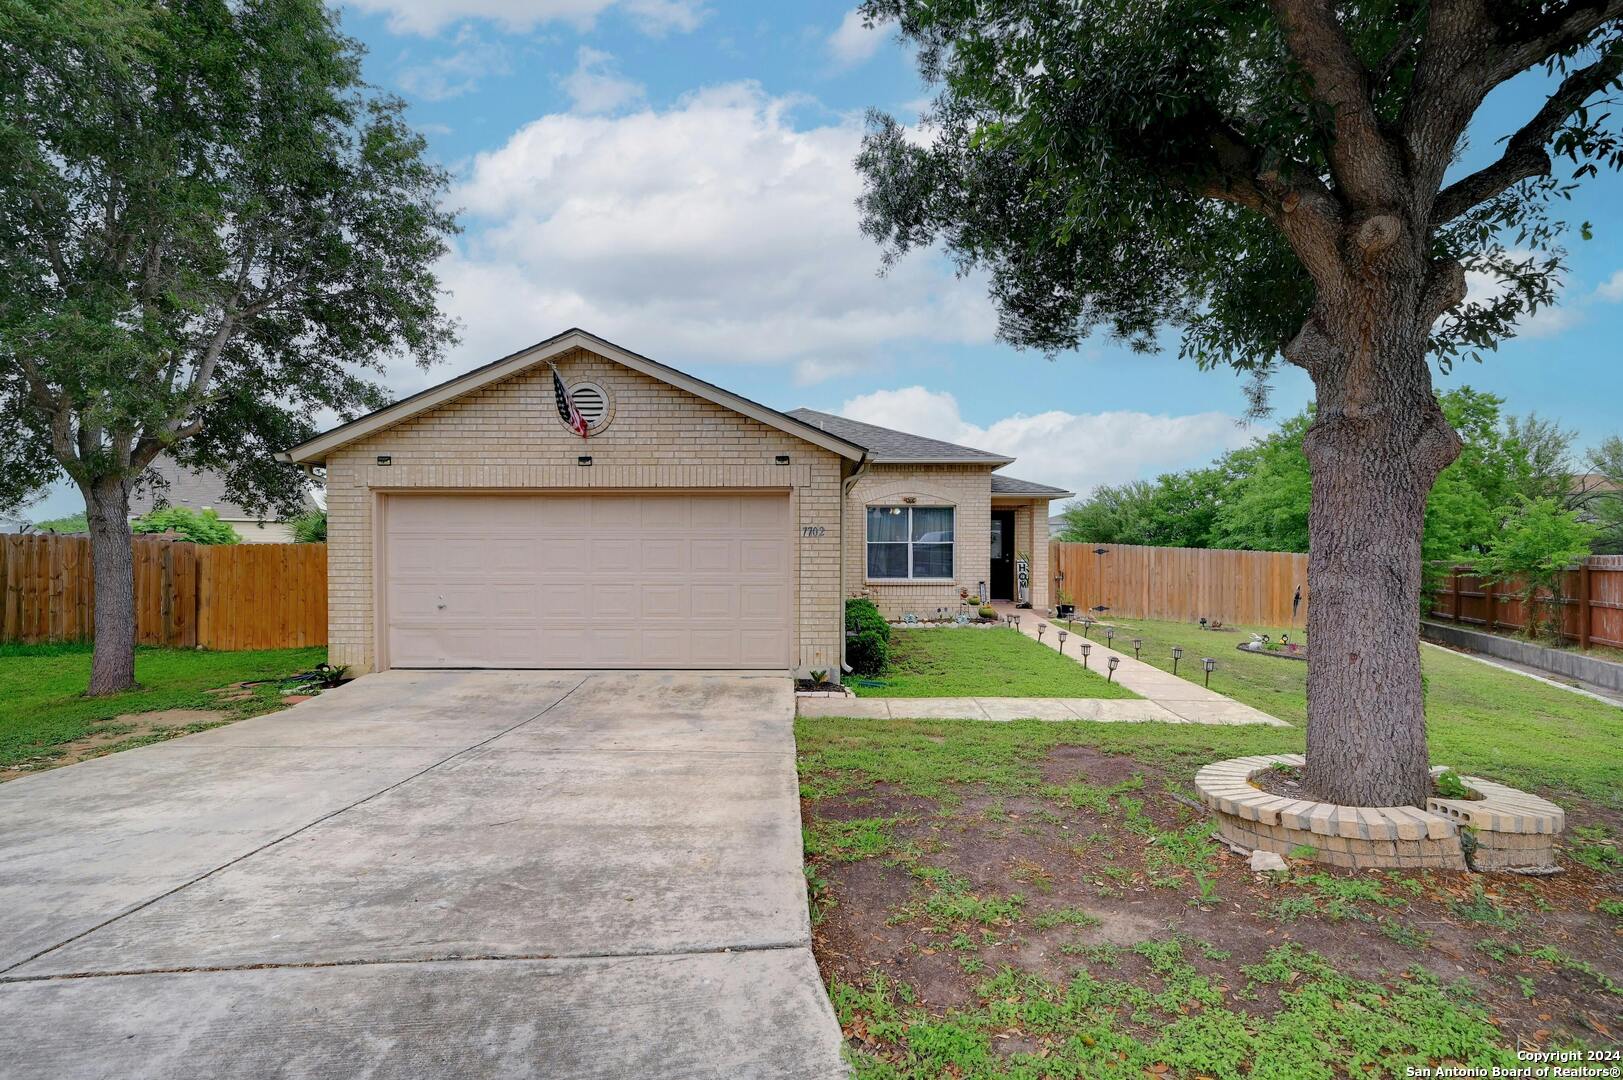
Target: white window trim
(869, 579)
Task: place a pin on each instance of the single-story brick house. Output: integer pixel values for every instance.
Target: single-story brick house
(470, 526)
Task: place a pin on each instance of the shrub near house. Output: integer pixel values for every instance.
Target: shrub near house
(867, 637)
(199, 527)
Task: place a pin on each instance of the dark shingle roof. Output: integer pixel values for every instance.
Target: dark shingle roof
(1008, 485)
(887, 444)
(195, 491)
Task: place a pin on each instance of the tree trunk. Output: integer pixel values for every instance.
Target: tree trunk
(1376, 445)
(112, 664)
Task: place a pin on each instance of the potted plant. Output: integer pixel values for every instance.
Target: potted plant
(1064, 605)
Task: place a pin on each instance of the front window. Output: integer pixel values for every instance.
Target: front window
(910, 542)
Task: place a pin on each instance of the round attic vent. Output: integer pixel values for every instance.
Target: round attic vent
(592, 401)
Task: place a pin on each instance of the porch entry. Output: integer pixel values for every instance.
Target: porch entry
(1000, 577)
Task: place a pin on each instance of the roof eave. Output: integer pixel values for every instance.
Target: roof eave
(314, 451)
(993, 462)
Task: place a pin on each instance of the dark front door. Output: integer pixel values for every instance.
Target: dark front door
(1000, 580)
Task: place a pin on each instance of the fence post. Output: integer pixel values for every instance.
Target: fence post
(1585, 609)
(1454, 581)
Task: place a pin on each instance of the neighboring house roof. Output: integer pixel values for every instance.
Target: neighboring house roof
(193, 490)
(1008, 485)
(886, 446)
(315, 451)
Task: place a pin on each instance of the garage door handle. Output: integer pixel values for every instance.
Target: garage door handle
(441, 604)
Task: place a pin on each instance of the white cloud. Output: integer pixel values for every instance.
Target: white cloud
(1077, 451)
(652, 17)
(458, 72)
(1611, 290)
(595, 86)
(853, 42)
(715, 230)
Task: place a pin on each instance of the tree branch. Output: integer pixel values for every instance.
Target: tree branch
(1364, 162)
(1559, 32)
(1525, 156)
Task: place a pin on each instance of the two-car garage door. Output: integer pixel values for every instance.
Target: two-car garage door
(577, 580)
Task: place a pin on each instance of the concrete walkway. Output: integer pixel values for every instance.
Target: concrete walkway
(448, 874)
(1170, 699)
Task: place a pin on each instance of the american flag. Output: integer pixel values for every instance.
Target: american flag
(566, 407)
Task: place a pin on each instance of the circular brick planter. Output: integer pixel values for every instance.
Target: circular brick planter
(1511, 829)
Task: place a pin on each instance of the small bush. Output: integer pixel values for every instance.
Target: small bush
(867, 637)
(310, 527)
(199, 528)
(862, 616)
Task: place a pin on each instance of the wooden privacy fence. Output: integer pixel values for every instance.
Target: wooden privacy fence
(238, 596)
(1591, 605)
(1182, 584)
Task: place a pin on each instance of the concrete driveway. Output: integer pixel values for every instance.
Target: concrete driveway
(424, 874)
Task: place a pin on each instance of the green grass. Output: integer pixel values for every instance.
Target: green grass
(983, 663)
(1480, 719)
(1327, 1024)
(42, 705)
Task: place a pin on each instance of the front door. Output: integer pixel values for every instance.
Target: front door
(1000, 579)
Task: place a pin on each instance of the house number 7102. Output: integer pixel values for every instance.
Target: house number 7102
(812, 530)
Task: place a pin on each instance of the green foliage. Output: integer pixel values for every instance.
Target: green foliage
(867, 637)
(1538, 540)
(1256, 498)
(310, 527)
(72, 523)
(210, 227)
(984, 662)
(1448, 785)
(1602, 499)
(200, 527)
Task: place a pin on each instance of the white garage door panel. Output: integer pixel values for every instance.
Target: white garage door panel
(680, 580)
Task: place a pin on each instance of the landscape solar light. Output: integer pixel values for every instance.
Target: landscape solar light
(1062, 636)
(1114, 660)
(1085, 650)
(1017, 622)
(1040, 628)
(1177, 654)
(1110, 636)
(1087, 624)
(1209, 664)
(1138, 643)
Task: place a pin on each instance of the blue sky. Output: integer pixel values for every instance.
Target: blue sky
(675, 176)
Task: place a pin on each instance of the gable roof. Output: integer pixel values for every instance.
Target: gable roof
(886, 446)
(1008, 485)
(315, 451)
(194, 490)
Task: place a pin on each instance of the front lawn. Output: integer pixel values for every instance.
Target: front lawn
(975, 662)
(43, 711)
(1480, 719)
(1036, 899)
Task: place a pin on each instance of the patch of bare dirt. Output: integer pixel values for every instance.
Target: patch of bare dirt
(112, 733)
(1094, 884)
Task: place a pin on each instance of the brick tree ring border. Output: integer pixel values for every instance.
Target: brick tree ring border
(1505, 829)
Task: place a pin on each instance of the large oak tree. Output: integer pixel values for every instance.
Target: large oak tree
(1273, 178)
(210, 229)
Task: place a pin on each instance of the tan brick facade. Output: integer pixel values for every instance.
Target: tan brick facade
(506, 437)
(968, 488)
